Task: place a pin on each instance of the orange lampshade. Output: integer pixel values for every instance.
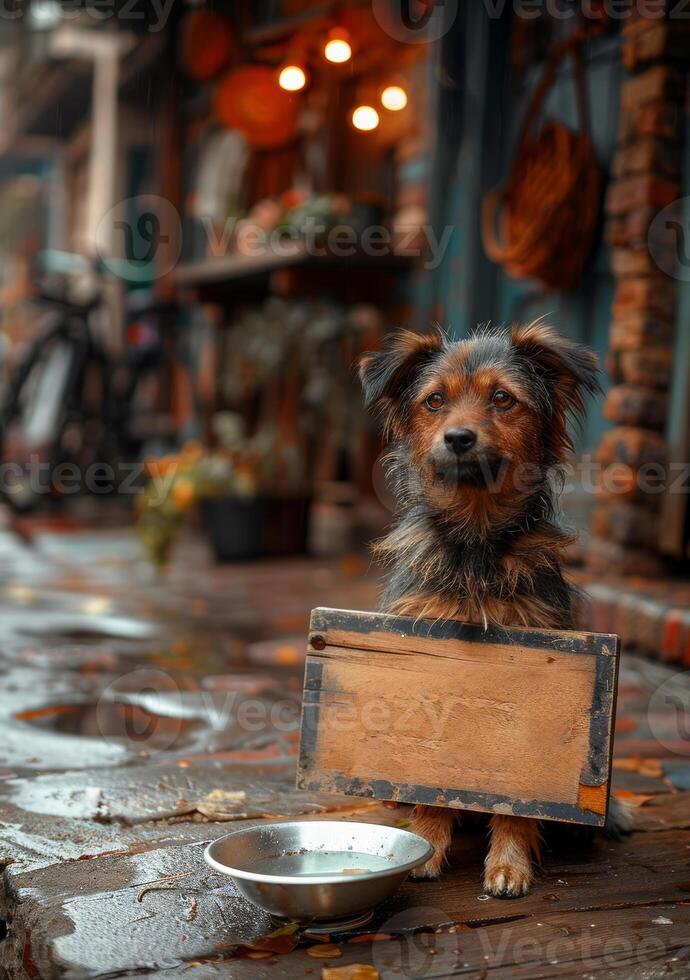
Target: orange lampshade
(208, 44)
(248, 100)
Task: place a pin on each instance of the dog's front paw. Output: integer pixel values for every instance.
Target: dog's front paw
(507, 880)
(515, 842)
(429, 871)
(435, 825)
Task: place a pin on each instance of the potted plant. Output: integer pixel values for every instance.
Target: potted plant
(250, 491)
(256, 502)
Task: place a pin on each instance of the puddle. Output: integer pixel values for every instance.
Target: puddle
(114, 721)
(72, 625)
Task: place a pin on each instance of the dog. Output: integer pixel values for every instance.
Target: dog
(478, 429)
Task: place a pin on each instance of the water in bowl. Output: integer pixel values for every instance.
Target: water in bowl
(297, 864)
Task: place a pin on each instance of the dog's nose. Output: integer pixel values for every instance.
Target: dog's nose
(460, 440)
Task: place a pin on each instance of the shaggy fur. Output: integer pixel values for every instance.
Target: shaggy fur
(476, 537)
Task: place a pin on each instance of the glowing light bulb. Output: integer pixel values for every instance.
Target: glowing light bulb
(292, 78)
(394, 98)
(365, 117)
(337, 49)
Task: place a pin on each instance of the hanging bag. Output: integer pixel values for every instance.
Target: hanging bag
(542, 223)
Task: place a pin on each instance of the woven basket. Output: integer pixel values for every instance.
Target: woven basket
(542, 223)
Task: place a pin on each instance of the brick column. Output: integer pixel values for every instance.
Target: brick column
(645, 179)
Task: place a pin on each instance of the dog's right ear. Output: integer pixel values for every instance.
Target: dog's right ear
(387, 375)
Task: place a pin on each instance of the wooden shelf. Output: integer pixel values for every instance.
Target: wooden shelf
(231, 268)
(241, 268)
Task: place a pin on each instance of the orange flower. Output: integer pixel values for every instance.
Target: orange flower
(293, 198)
(183, 494)
(192, 452)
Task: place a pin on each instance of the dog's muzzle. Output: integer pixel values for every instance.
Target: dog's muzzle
(469, 470)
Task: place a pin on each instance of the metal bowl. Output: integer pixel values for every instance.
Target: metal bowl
(318, 870)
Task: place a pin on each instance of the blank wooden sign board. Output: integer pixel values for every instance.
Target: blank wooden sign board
(515, 721)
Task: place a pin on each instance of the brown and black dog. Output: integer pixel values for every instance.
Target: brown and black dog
(478, 431)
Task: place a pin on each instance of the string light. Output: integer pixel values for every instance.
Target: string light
(365, 117)
(394, 98)
(292, 78)
(338, 49)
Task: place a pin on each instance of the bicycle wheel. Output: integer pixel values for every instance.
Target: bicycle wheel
(35, 414)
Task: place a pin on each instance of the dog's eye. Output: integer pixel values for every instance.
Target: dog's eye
(434, 401)
(502, 399)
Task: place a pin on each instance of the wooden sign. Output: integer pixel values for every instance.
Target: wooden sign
(515, 721)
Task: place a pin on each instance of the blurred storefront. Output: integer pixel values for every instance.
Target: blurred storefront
(302, 177)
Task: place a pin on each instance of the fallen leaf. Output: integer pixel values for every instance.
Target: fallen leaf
(221, 804)
(225, 796)
(35, 713)
(326, 952)
(316, 937)
(645, 767)
(353, 971)
(282, 940)
(653, 771)
(288, 656)
(287, 929)
(634, 799)
(369, 937)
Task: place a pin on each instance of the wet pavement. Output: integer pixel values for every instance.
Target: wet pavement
(141, 718)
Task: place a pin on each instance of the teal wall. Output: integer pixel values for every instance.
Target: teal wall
(489, 105)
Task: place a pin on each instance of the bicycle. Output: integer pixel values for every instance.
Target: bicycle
(73, 407)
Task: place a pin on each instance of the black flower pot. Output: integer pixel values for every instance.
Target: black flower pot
(260, 527)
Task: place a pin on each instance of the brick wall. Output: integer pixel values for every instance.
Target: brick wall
(646, 178)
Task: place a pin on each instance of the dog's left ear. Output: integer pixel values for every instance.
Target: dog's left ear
(387, 375)
(568, 369)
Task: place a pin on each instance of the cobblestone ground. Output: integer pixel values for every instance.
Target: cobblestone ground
(127, 743)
